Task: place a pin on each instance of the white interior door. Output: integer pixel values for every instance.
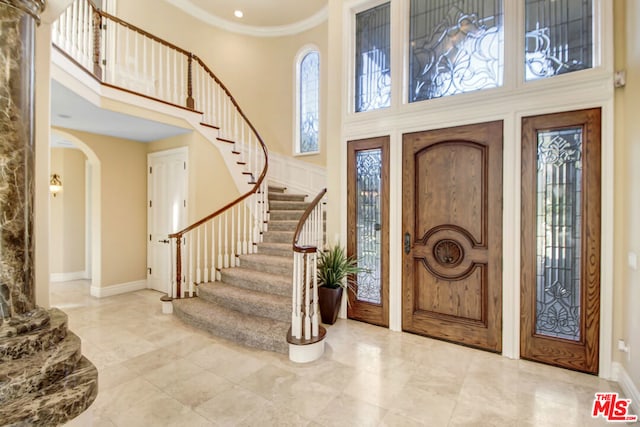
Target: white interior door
(167, 204)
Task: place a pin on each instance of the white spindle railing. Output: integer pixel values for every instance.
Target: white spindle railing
(145, 64)
(308, 240)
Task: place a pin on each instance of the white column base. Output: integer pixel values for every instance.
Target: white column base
(306, 353)
(167, 307)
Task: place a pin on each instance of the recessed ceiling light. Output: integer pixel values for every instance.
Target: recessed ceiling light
(238, 14)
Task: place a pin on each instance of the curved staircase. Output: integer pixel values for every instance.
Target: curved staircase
(251, 305)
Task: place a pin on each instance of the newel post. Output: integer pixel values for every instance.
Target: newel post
(97, 28)
(190, 100)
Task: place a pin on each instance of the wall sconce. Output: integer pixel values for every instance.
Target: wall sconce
(55, 184)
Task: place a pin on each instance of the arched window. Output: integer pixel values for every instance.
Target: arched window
(308, 102)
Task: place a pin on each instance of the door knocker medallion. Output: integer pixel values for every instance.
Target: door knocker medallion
(448, 253)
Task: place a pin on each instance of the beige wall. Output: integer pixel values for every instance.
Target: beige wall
(627, 196)
(124, 215)
(210, 183)
(259, 72)
(67, 242)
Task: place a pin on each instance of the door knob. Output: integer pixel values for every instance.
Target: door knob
(407, 242)
(164, 241)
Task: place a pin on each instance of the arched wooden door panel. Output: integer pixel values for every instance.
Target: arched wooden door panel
(452, 226)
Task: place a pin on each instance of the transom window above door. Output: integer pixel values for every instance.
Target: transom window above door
(455, 46)
(459, 46)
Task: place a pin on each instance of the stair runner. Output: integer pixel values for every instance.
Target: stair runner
(252, 303)
(44, 379)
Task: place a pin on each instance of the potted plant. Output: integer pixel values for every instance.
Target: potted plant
(335, 273)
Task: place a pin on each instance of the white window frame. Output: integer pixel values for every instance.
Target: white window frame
(302, 53)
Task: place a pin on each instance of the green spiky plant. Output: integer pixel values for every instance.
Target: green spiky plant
(336, 269)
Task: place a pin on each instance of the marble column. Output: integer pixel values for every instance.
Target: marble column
(18, 19)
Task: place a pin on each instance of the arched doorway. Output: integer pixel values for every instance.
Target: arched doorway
(93, 263)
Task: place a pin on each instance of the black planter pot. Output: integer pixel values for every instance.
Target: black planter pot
(329, 300)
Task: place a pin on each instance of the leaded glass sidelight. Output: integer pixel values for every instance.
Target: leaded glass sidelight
(558, 37)
(309, 103)
(373, 58)
(456, 46)
(368, 220)
(559, 237)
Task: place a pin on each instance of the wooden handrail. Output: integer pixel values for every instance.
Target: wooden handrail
(260, 179)
(303, 219)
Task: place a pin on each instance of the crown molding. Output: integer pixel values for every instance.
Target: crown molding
(250, 30)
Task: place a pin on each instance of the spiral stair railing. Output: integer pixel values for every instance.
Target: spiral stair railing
(125, 57)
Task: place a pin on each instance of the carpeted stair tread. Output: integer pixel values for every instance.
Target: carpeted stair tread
(286, 197)
(276, 249)
(283, 225)
(57, 403)
(258, 280)
(252, 331)
(276, 205)
(21, 376)
(36, 340)
(267, 263)
(247, 301)
(286, 215)
(276, 236)
(276, 189)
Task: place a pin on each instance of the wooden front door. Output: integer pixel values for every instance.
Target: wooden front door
(368, 228)
(452, 227)
(560, 274)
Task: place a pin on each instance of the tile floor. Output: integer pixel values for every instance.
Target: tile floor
(156, 371)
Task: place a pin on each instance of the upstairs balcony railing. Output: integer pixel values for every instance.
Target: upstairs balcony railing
(124, 56)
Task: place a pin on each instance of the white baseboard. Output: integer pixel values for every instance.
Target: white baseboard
(123, 288)
(626, 384)
(67, 277)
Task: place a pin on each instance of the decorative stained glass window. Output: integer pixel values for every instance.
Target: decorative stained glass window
(309, 103)
(559, 238)
(558, 38)
(373, 58)
(368, 220)
(455, 46)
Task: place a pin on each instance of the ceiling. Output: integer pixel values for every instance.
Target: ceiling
(261, 17)
(71, 111)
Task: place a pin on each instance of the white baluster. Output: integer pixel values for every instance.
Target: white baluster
(183, 266)
(214, 275)
(239, 248)
(190, 273)
(296, 329)
(206, 251)
(75, 52)
(249, 234)
(315, 323)
(245, 245)
(220, 256)
(226, 240)
(198, 266)
(307, 299)
(232, 255)
(172, 272)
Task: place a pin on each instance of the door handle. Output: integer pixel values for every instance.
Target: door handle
(407, 242)
(164, 241)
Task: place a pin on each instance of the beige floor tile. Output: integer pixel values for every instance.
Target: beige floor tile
(346, 411)
(156, 371)
(231, 407)
(197, 390)
(274, 415)
(423, 406)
